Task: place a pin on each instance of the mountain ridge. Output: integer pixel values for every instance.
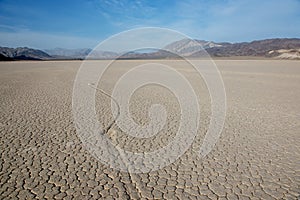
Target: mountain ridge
(254, 48)
(23, 53)
(281, 48)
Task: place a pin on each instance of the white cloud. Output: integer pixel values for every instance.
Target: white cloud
(226, 20)
(238, 20)
(43, 40)
(140, 38)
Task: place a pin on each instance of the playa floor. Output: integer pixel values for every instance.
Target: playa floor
(256, 157)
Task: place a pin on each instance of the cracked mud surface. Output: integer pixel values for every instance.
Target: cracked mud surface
(257, 156)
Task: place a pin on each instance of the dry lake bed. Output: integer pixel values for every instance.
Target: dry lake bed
(256, 157)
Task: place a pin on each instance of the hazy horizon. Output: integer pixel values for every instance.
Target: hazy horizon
(91, 48)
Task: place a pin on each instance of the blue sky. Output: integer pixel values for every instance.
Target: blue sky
(84, 23)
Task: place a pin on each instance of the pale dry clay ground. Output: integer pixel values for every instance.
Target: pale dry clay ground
(257, 156)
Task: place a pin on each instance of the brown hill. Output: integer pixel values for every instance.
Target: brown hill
(255, 48)
(23, 53)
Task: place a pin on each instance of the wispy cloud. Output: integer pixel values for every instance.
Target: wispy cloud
(44, 40)
(139, 38)
(126, 12)
(223, 20)
(239, 20)
(218, 20)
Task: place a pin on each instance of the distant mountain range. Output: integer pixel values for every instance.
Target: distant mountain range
(68, 53)
(22, 53)
(80, 53)
(284, 48)
(287, 48)
(263, 48)
(188, 47)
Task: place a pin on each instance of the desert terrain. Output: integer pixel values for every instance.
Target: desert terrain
(256, 157)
